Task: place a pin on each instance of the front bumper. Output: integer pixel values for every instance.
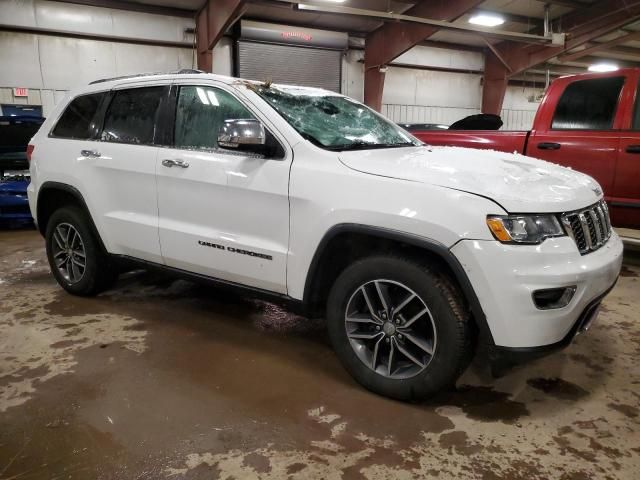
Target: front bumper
(505, 276)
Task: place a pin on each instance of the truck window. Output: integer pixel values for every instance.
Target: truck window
(588, 104)
(131, 117)
(200, 114)
(77, 119)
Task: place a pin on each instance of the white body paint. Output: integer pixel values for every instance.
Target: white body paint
(283, 208)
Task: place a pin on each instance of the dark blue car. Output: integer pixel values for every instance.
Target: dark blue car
(14, 206)
(15, 133)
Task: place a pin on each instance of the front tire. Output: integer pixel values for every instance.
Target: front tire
(399, 327)
(75, 256)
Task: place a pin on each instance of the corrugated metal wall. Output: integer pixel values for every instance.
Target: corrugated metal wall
(289, 64)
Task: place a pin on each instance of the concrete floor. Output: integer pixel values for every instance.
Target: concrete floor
(164, 379)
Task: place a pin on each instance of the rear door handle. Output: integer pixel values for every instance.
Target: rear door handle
(168, 162)
(548, 146)
(633, 149)
(90, 153)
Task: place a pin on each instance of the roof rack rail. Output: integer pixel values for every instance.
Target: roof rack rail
(189, 70)
(148, 74)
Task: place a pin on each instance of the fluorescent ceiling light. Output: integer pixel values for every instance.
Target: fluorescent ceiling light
(487, 20)
(603, 67)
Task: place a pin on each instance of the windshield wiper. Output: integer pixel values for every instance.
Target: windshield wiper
(360, 145)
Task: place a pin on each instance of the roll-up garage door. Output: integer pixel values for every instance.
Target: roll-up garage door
(290, 64)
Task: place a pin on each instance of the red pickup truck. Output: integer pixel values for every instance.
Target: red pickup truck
(588, 122)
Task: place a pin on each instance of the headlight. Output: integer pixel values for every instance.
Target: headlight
(529, 229)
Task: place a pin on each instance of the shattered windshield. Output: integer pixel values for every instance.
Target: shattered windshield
(334, 122)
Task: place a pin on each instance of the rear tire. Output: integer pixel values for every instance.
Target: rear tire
(415, 346)
(75, 255)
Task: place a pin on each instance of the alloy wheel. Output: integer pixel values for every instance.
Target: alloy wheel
(69, 253)
(390, 328)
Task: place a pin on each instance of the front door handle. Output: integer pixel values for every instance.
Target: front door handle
(90, 153)
(633, 149)
(548, 146)
(167, 162)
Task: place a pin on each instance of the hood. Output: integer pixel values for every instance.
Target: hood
(519, 184)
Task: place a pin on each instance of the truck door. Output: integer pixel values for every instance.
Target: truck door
(625, 200)
(582, 131)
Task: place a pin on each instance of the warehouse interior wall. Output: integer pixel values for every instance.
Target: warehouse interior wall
(420, 95)
(53, 47)
(60, 46)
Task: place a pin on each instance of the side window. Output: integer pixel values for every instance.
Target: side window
(200, 113)
(77, 121)
(588, 104)
(132, 115)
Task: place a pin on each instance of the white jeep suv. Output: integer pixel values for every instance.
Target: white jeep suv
(415, 255)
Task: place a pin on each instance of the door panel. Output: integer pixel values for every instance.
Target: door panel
(226, 214)
(124, 171)
(123, 179)
(625, 201)
(583, 130)
(593, 153)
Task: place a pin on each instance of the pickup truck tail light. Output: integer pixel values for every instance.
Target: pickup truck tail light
(29, 152)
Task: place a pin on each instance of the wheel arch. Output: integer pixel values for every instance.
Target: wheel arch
(55, 195)
(347, 240)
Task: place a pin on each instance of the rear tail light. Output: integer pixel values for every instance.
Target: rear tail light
(29, 152)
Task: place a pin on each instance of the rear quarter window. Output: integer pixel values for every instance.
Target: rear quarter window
(78, 119)
(588, 104)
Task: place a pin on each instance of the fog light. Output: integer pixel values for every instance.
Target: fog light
(550, 298)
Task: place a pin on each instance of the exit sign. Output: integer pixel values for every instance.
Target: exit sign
(20, 92)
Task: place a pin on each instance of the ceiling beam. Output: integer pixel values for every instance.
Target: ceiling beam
(393, 39)
(586, 25)
(575, 4)
(580, 26)
(135, 7)
(451, 46)
(632, 54)
(411, 18)
(594, 47)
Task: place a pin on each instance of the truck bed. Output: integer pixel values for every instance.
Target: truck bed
(503, 141)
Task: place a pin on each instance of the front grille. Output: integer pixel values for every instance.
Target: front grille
(590, 228)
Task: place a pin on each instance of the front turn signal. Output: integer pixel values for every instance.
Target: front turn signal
(497, 228)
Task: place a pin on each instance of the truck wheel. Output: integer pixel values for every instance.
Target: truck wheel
(399, 327)
(74, 253)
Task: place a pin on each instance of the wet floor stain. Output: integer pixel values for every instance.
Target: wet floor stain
(558, 388)
(627, 410)
(161, 378)
(487, 405)
(629, 272)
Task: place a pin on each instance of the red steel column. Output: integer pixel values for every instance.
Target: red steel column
(212, 22)
(494, 85)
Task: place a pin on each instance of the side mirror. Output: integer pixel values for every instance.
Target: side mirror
(244, 135)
